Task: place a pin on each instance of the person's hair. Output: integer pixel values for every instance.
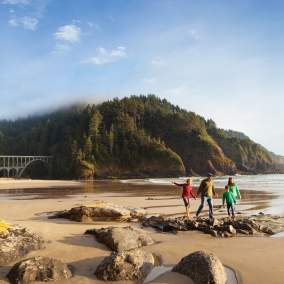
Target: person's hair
(189, 180)
(230, 181)
(226, 187)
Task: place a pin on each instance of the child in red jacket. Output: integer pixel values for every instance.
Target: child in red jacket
(186, 194)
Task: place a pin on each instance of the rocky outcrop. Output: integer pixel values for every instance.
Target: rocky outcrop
(39, 268)
(122, 238)
(126, 265)
(100, 211)
(223, 227)
(202, 267)
(16, 242)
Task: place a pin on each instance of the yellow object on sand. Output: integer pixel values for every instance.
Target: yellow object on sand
(4, 226)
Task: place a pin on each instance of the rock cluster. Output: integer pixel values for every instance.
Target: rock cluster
(202, 267)
(100, 211)
(16, 242)
(39, 268)
(121, 238)
(127, 261)
(126, 265)
(223, 227)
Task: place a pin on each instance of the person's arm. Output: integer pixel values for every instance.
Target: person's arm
(234, 200)
(213, 191)
(223, 199)
(192, 194)
(238, 192)
(200, 188)
(178, 184)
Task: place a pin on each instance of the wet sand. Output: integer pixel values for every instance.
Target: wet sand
(10, 183)
(255, 259)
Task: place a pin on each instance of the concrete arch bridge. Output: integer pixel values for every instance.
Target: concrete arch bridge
(14, 166)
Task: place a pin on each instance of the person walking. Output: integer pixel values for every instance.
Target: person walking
(233, 188)
(230, 200)
(206, 191)
(186, 194)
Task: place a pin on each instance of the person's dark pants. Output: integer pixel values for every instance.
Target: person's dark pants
(231, 209)
(210, 205)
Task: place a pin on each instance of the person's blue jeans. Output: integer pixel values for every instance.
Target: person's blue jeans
(231, 209)
(210, 205)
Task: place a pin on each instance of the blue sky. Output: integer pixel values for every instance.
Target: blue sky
(221, 59)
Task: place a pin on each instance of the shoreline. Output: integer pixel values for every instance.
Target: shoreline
(10, 183)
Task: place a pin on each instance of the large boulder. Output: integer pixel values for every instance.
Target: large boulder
(16, 242)
(39, 268)
(126, 265)
(122, 238)
(202, 268)
(100, 211)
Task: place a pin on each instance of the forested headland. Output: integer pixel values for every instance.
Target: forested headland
(138, 136)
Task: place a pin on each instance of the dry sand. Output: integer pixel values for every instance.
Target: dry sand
(255, 259)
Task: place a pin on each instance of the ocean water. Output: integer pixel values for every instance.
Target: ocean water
(270, 184)
(273, 183)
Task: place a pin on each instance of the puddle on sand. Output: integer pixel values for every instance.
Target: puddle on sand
(156, 272)
(231, 276)
(160, 270)
(278, 235)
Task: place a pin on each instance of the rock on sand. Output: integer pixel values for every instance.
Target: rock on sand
(39, 268)
(202, 267)
(126, 265)
(16, 242)
(122, 238)
(100, 211)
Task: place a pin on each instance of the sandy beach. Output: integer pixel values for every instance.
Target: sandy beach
(254, 259)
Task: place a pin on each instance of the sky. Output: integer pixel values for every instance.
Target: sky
(222, 59)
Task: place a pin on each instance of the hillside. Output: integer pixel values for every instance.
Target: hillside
(134, 137)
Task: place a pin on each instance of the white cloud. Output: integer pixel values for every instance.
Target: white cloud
(15, 2)
(28, 23)
(104, 56)
(68, 33)
(13, 22)
(158, 61)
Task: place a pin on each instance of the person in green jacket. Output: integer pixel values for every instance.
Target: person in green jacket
(230, 200)
(233, 188)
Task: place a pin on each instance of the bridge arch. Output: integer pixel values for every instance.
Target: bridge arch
(20, 173)
(13, 172)
(16, 165)
(4, 172)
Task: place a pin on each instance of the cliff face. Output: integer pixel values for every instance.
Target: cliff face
(247, 155)
(134, 137)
